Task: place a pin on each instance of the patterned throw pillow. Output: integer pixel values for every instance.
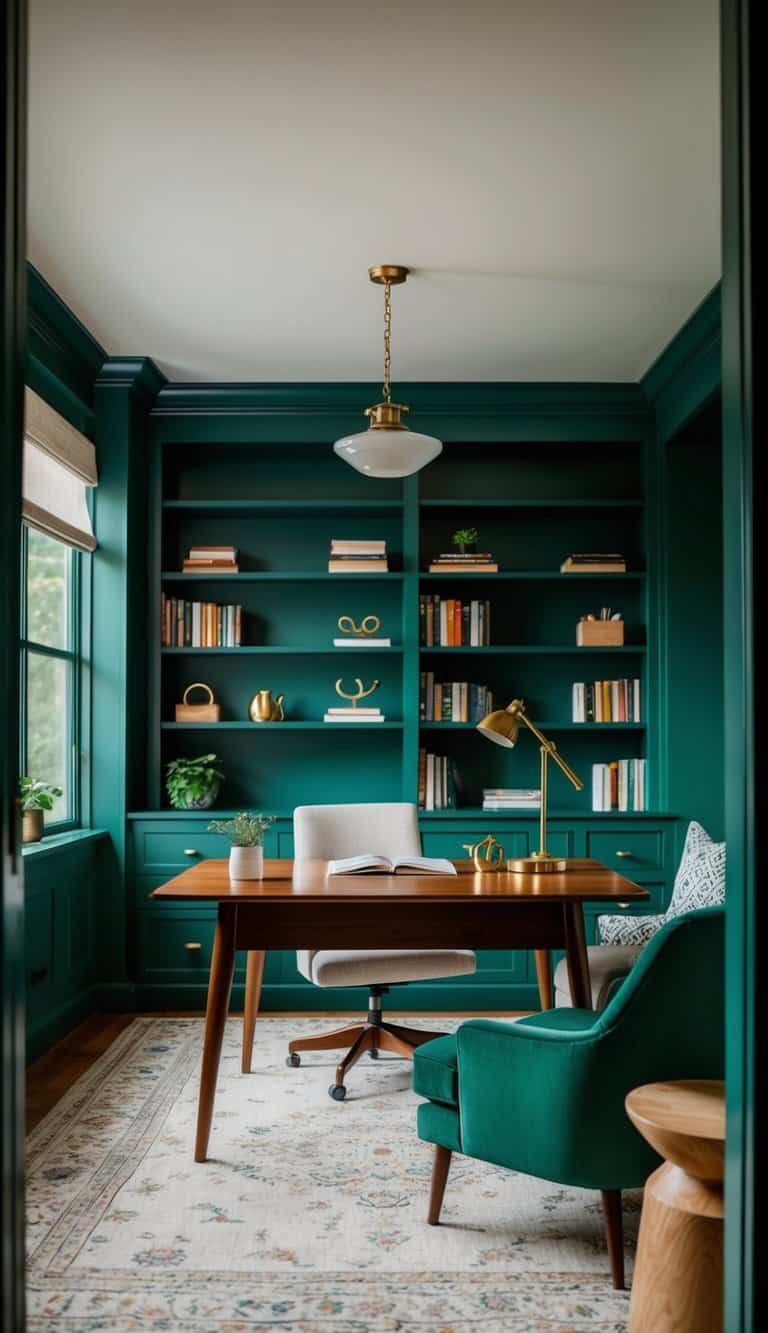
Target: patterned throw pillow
(699, 882)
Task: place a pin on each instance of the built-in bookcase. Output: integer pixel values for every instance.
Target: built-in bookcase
(533, 505)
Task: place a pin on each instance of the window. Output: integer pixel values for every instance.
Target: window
(51, 671)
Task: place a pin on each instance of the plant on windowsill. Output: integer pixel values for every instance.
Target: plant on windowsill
(246, 834)
(193, 784)
(34, 799)
(465, 539)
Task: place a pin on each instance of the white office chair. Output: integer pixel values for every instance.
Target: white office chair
(332, 831)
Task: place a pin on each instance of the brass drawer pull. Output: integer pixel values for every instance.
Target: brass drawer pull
(624, 853)
(193, 946)
(624, 906)
(192, 851)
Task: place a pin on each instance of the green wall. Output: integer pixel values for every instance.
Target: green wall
(694, 616)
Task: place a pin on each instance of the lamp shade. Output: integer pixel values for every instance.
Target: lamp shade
(388, 453)
(501, 726)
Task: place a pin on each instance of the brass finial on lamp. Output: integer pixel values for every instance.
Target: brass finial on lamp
(502, 727)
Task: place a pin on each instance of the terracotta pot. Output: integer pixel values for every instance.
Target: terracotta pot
(32, 825)
(246, 863)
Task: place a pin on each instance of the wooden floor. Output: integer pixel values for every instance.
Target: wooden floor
(55, 1072)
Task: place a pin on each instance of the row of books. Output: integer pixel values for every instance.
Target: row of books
(474, 562)
(447, 622)
(620, 785)
(437, 782)
(366, 556)
(211, 560)
(511, 798)
(452, 700)
(606, 701)
(199, 624)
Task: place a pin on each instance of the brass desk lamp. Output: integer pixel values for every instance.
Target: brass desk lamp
(502, 727)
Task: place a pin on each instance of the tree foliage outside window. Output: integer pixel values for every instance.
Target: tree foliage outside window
(50, 660)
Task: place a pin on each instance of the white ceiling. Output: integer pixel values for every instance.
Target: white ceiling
(210, 179)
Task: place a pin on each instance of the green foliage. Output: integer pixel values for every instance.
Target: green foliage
(189, 780)
(245, 830)
(464, 537)
(34, 795)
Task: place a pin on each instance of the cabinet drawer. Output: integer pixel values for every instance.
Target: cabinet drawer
(158, 847)
(628, 850)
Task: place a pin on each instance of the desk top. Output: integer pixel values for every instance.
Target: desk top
(284, 879)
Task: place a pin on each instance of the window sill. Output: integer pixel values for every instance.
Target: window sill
(48, 846)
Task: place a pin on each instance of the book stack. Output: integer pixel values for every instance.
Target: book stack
(606, 701)
(452, 700)
(475, 562)
(620, 785)
(447, 622)
(211, 560)
(511, 798)
(199, 624)
(594, 562)
(437, 782)
(353, 715)
(358, 557)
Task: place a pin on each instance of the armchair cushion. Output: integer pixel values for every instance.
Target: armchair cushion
(435, 1070)
(439, 1124)
(699, 882)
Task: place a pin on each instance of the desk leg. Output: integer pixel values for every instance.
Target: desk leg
(544, 977)
(219, 991)
(254, 974)
(576, 954)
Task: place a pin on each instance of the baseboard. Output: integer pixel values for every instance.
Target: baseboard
(277, 998)
(116, 998)
(40, 1036)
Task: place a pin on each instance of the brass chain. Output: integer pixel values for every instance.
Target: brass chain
(387, 339)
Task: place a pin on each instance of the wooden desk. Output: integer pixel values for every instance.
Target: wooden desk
(297, 905)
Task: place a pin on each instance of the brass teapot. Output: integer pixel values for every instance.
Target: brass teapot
(263, 708)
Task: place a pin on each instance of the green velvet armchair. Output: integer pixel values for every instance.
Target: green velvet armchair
(545, 1095)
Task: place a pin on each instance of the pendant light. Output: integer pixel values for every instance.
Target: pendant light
(387, 448)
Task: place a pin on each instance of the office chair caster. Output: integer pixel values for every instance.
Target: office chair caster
(337, 1091)
(293, 1060)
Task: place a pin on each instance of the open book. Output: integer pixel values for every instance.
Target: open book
(370, 864)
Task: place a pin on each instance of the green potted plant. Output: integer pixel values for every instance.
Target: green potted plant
(246, 834)
(193, 784)
(465, 539)
(34, 799)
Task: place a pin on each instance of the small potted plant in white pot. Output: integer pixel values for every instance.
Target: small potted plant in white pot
(193, 784)
(34, 799)
(246, 834)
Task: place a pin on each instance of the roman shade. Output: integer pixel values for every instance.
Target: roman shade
(59, 463)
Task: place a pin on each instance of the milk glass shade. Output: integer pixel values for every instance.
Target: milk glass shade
(388, 453)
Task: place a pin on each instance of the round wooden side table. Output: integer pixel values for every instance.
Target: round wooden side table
(678, 1279)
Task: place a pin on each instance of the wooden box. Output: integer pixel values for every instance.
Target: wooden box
(600, 633)
(207, 712)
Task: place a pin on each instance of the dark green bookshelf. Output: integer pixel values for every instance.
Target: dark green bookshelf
(281, 507)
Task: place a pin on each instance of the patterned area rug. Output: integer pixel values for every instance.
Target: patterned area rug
(309, 1215)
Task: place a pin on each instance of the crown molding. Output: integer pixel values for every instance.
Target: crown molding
(136, 374)
(688, 373)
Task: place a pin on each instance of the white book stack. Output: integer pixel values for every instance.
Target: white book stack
(354, 715)
(620, 785)
(362, 641)
(511, 798)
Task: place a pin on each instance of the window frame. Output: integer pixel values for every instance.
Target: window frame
(78, 617)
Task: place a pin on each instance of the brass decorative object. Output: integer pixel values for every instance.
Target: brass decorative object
(502, 727)
(362, 692)
(368, 626)
(487, 855)
(32, 826)
(263, 708)
(207, 712)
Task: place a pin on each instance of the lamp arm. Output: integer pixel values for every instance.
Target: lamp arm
(552, 750)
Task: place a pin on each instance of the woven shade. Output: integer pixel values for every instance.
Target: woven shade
(59, 464)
